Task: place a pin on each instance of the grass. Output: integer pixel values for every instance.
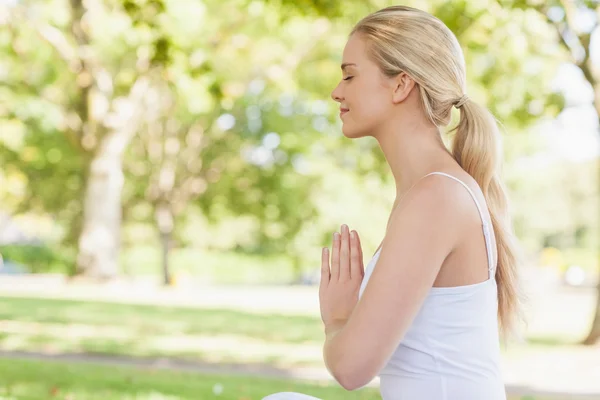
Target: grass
(149, 319)
(210, 266)
(47, 380)
(35, 380)
(54, 325)
(194, 334)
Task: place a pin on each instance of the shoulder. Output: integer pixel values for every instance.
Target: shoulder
(440, 195)
(437, 206)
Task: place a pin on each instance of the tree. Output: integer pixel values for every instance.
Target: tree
(218, 137)
(259, 99)
(574, 23)
(98, 103)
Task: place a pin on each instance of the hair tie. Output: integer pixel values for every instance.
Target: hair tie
(461, 101)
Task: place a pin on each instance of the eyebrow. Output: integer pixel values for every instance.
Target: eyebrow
(344, 65)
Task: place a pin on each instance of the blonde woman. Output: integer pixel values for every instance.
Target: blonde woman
(426, 312)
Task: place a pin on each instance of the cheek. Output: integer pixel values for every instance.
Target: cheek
(369, 100)
(370, 109)
(363, 118)
(367, 109)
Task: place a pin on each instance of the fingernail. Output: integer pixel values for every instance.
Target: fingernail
(353, 235)
(336, 235)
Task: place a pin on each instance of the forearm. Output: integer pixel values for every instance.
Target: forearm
(331, 348)
(347, 357)
(342, 362)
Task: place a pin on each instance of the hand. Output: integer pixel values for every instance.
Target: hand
(340, 284)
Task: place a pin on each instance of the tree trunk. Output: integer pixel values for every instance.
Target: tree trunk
(100, 237)
(594, 334)
(165, 224)
(165, 238)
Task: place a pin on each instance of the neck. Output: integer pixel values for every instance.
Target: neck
(413, 151)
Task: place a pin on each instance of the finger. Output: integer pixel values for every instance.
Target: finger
(360, 255)
(345, 254)
(335, 257)
(354, 256)
(325, 273)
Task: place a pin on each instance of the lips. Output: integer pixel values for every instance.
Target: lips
(343, 111)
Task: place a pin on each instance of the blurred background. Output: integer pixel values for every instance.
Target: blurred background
(170, 169)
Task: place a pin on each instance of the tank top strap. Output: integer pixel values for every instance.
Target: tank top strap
(485, 224)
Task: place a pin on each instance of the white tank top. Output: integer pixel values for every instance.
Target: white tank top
(451, 351)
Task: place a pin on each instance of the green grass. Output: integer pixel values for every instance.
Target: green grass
(145, 330)
(149, 319)
(47, 380)
(222, 267)
(210, 266)
(195, 334)
(29, 380)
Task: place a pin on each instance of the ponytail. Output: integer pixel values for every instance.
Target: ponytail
(476, 149)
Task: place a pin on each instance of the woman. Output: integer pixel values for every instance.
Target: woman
(442, 282)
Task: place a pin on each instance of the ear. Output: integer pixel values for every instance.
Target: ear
(402, 85)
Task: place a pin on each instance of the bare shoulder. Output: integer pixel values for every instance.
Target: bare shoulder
(441, 194)
(437, 203)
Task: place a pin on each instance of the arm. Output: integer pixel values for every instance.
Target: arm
(421, 235)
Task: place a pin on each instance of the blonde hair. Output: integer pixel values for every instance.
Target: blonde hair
(406, 39)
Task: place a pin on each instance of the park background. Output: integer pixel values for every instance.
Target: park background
(170, 169)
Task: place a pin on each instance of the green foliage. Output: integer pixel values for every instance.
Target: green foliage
(269, 67)
(39, 258)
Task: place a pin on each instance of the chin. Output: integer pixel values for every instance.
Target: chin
(353, 133)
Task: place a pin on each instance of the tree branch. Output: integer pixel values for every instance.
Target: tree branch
(585, 63)
(60, 43)
(583, 38)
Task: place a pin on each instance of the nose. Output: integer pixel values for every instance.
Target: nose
(336, 95)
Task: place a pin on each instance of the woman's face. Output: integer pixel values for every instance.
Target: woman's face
(364, 93)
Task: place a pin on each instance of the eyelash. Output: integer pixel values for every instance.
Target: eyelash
(348, 78)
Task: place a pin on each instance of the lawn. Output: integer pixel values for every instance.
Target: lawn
(213, 267)
(193, 334)
(35, 380)
(47, 380)
(52, 325)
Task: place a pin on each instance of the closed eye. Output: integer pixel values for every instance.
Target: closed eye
(348, 78)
